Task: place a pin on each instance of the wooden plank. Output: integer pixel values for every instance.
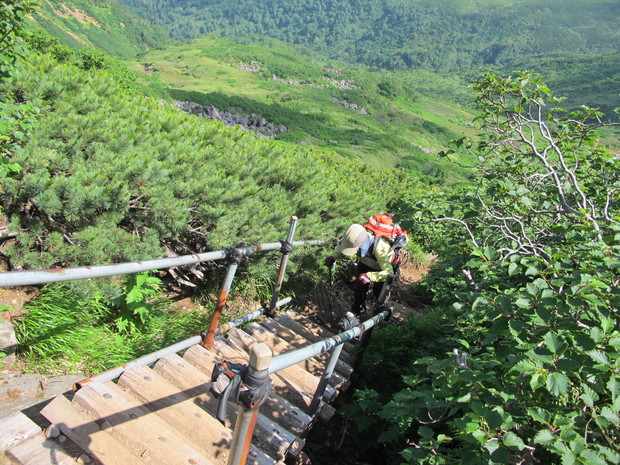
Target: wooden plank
(313, 332)
(131, 423)
(280, 346)
(295, 374)
(15, 428)
(172, 404)
(296, 395)
(278, 409)
(297, 340)
(195, 384)
(38, 450)
(287, 416)
(87, 434)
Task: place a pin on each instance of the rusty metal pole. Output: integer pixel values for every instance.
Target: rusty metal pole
(256, 379)
(287, 248)
(234, 257)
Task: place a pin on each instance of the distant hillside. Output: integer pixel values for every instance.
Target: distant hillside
(442, 35)
(104, 24)
(462, 37)
(379, 118)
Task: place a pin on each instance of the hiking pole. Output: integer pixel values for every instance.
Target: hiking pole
(287, 248)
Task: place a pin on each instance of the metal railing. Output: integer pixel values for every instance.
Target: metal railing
(261, 363)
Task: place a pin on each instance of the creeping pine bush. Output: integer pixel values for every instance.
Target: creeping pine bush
(530, 368)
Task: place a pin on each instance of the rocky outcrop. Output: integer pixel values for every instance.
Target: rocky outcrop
(293, 82)
(252, 67)
(251, 122)
(343, 84)
(351, 106)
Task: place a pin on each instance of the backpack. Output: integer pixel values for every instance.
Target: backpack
(382, 225)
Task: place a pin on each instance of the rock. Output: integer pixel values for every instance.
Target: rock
(233, 117)
(52, 432)
(8, 343)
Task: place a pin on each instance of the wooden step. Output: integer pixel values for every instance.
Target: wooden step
(205, 433)
(196, 385)
(295, 374)
(283, 386)
(313, 332)
(272, 440)
(280, 346)
(298, 341)
(136, 426)
(87, 433)
(15, 428)
(38, 450)
(278, 409)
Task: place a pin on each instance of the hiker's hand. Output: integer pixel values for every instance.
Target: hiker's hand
(363, 279)
(329, 261)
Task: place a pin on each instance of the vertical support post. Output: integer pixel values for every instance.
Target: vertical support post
(234, 257)
(286, 250)
(256, 380)
(327, 374)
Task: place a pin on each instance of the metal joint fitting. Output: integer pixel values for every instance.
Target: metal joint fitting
(286, 248)
(255, 388)
(234, 255)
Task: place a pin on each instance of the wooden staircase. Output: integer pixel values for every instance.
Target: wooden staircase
(165, 414)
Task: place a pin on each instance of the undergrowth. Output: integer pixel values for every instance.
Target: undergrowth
(67, 329)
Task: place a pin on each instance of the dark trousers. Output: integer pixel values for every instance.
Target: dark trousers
(361, 290)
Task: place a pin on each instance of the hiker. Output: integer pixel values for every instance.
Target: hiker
(375, 246)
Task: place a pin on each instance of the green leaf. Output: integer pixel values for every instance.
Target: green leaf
(523, 303)
(568, 458)
(426, 432)
(539, 414)
(599, 356)
(610, 415)
(493, 419)
(614, 386)
(544, 436)
(552, 342)
(512, 440)
(512, 269)
(613, 456)
(558, 384)
(590, 457)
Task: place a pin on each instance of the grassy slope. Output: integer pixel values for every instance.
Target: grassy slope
(107, 25)
(408, 124)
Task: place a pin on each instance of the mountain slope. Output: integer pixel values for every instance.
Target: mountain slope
(104, 24)
(378, 118)
(443, 35)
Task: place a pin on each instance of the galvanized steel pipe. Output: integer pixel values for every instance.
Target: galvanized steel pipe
(283, 263)
(249, 317)
(173, 349)
(327, 374)
(26, 278)
(279, 362)
(235, 258)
